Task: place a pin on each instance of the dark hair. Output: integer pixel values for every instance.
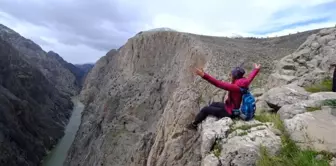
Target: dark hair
(237, 72)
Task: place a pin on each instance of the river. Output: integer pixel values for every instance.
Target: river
(58, 155)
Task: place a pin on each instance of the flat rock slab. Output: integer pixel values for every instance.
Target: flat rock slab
(314, 129)
(285, 95)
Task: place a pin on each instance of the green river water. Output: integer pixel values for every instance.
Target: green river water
(58, 155)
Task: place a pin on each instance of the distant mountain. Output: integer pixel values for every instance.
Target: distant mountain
(33, 112)
(35, 103)
(50, 66)
(79, 71)
(85, 67)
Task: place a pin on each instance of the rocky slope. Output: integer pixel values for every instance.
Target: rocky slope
(308, 113)
(139, 98)
(33, 113)
(79, 71)
(50, 67)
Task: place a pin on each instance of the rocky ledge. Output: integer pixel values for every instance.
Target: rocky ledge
(295, 121)
(232, 142)
(305, 103)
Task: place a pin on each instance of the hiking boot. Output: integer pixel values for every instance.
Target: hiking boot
(191, 126)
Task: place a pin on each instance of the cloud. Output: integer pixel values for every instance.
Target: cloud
(84, 30)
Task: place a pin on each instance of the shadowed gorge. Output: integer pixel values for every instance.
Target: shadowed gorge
(33, 112)
(35, 103)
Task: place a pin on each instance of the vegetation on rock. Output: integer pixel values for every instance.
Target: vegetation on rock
(216, 150)
(290, 153)
(323, 86)
(330, 103)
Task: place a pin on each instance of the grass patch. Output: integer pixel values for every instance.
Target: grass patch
(290, 153)
(216, 150)
(312, 109)
(324, 86)
(247, 127)
(243, 127)
(330, 102)
(242, 133)
(274, 118)
(294, 158)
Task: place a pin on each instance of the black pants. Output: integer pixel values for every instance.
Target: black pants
(216, 109)
(334, 81)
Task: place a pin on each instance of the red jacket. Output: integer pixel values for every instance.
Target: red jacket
(234, 97)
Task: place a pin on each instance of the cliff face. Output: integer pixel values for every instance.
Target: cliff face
(53, 70)
(139, 98)
(33, 113)
(79, 71)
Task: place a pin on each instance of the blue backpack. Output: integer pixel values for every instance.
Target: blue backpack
(247, 107)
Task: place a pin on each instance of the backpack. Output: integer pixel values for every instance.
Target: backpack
(247, 107)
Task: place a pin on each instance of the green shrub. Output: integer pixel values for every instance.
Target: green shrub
(330, 102)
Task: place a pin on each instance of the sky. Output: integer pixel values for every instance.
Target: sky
(82, 31)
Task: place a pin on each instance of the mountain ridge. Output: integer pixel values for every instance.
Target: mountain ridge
(33, 112)
(138, 98)
(63, 79)
(35, 103)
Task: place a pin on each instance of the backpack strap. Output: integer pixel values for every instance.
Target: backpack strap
(244, 90)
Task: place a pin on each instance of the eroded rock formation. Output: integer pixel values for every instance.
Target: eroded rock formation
(139, 98)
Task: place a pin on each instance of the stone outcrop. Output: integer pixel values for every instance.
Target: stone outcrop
(236, 142)
(140, 97)
(33, 113)
(314, 130)
(284, 95)
(307, 118)
(309, 63)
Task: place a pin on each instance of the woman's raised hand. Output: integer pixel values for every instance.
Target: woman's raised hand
(199, 71)
(257, 66)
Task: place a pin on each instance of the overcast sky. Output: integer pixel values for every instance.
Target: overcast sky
(84, 30)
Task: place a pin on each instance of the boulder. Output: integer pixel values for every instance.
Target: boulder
(314, 100)
(314, 130)
(320, 96)
(289, 111)
(262, 107)
(277, 79)
(213, 129)
(285, 95)
(242, 146)
(239, 141)
(326, 31)
(258, 92)
(211, 160)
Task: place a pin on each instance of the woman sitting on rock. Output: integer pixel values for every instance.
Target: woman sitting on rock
(234, 99)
